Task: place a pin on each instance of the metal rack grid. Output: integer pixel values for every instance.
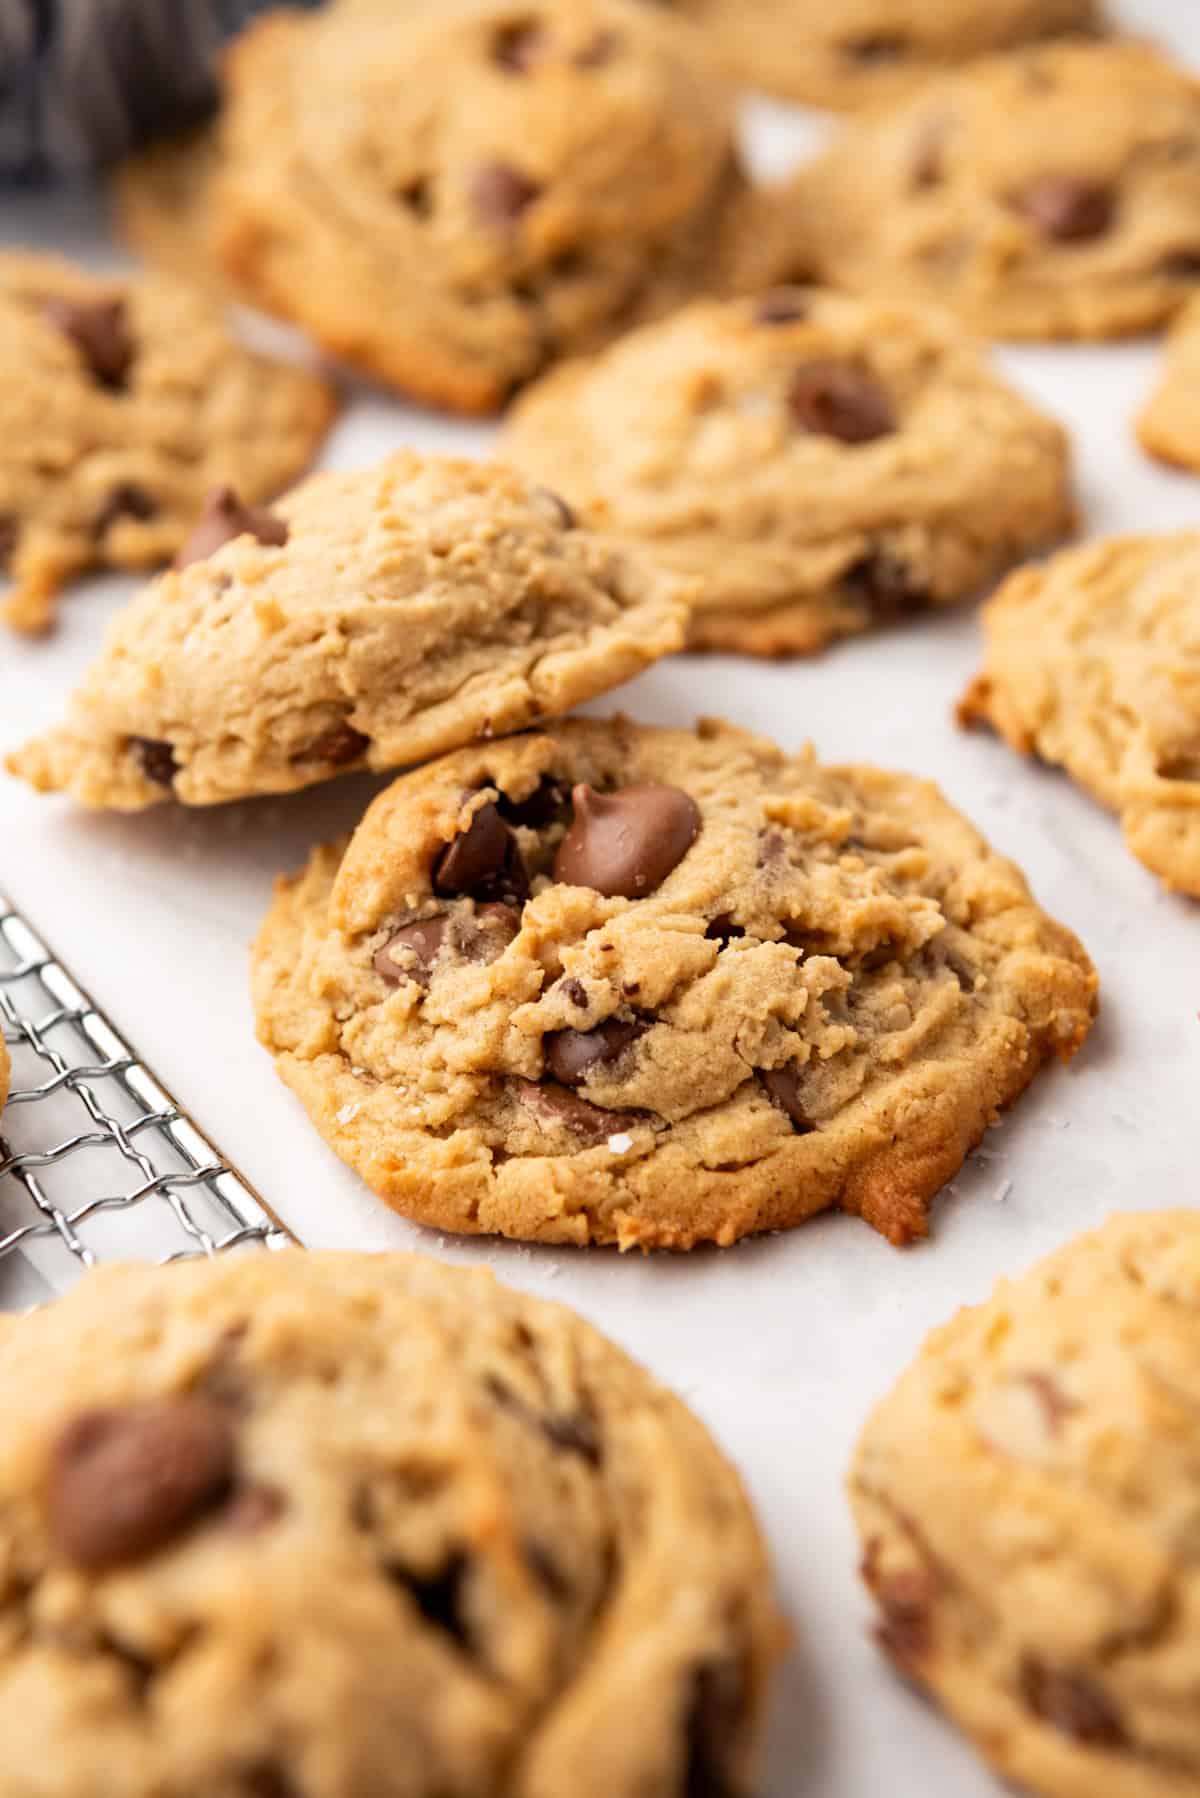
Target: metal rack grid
(97, 1160)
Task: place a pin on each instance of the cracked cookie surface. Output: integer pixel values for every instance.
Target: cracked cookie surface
(370, 619)
(655, 987)
(504, 183)
(363, 1526)
(819, 463)
(1049, 194)
(850, 53)
(124, 401)
(1026, 1499)
(1092, 663)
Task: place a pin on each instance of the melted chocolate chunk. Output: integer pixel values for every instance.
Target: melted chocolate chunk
(1072, 1703)
(571, 1055)
(835, 399)
(624, 844)
(783, 1089)
(482, 862)
(127, 1480)
(99, 331)
(1068, 210)
(556, 1104)
(339, 746)
(423, 940)
(225, 517)
(156, 760)
(500, 194)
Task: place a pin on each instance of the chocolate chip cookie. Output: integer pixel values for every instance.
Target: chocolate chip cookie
(123, 401)
(850, 53)
(370, 619)
(453, 199)
(1169, 424)
(660, 987)
(344, 1525)
(1054, 193)
(1026, 1498)
(820, 463)
(1093, 663)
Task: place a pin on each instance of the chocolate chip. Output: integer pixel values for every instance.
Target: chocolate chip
(556, 506)
(500, 193)
(225, 517)
(124, 1482)
(127, 500)
(783, 1090)
(253, 1508)
(439, 1598)
(784, 306)
(1072, 1703)
(571, 1055)
(576, 1433)
(876, 47)
(716, 1707)
(881, 582)
(624, 844)
(547, 804)
(722, 929)
(483, 861)
(340, 745)
(156, 760)
(836, 399)
(555, 1104)
(576, 992)
(1183, 765)
(422, 940)
(99, 331)
(519, 47)
(905, 1627)
(1066, 209)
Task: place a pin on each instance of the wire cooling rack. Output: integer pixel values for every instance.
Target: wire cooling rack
(97, 1160)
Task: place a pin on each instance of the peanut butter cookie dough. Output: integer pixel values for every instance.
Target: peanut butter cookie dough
(360, 1526)
(454, 199)
(1093, 663)
(1049, 194)
(660, 987)
(123, 402)
(370, 619)
(850, 53)
(1026, 1498)
(819, 463)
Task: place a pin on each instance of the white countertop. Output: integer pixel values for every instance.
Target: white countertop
(781, 1344)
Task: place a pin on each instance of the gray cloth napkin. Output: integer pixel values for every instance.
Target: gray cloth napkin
(82, 81)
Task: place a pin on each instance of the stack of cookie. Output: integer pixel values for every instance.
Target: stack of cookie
(598, 982)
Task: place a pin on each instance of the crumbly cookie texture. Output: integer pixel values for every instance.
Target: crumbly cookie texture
(1093, 663)
(123, 402)
(368, 620)
(660, 987)
(1048, 194)
(1168, 426)
(363, 1527)
(1026, 1498)
(453, 200)
(820, 463)
(852, 53)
